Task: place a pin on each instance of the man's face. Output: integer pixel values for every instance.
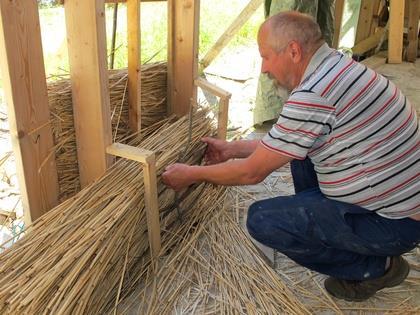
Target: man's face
(275, 65)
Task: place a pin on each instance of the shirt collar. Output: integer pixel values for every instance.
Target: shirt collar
(316, 60)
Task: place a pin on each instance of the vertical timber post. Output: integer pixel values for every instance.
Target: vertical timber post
(183, 29)
(86, 38)
(134, 66)
(22, 67)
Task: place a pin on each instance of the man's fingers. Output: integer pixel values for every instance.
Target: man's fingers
(208, 140)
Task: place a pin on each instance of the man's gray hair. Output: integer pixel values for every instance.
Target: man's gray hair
(287, 26)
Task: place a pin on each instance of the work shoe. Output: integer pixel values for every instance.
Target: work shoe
(358, 291)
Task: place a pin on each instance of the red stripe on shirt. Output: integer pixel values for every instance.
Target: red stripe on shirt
(310, 105)
(336, 77)
(371, 170)
(357, 126)
(281, 151)
(360, 93)
(389, 190)
(297, 130)
(391, 134)
(372, 116)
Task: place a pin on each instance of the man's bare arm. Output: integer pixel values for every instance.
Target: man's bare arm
(250, 170)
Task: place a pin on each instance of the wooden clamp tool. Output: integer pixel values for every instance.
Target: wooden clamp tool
(148, 161)
(222, 117)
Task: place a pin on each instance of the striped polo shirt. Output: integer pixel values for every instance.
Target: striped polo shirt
(360, 132)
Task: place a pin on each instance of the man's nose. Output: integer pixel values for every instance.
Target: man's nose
(263, 67)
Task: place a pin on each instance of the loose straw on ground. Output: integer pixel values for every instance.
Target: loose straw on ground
(216, 270)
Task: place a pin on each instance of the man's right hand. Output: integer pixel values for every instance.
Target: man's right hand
(217, 151)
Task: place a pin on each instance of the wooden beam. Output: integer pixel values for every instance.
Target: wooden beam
(228, 34)
(338, 19)
(396, 29)
(183, 28)
(85, 21)
(148, 161)
(223, 113)
(140, 155)
(413, 29)
(134, 64)
(24, 83)
(369, 43)
(368, 9)
(211, 88)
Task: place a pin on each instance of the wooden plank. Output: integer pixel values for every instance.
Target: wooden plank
(86, 39)
(223, 113)
(413, 29)
(338, 19)
(133, 32)
(24, 83)
(396, 29)
(129, 152)
(152, 208)
(228, 34)
(369, 43)
(368, 8)
(209, 87)
(183, 28)
(148, 161)
(223, 118)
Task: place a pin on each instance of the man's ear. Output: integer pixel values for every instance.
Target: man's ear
(295, 51)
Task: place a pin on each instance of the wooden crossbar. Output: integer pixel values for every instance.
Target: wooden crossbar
(148, 160)
(223, 113)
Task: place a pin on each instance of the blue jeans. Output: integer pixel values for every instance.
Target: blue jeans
(331, 237)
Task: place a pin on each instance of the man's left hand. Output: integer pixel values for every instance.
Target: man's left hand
(177, 176)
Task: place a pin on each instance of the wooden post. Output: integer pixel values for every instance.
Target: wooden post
(367, 17)
(396, 29)
(86, 39)
(223, 113)
(339, 10)
(228, 34)
(24, 83)
(413, 29)
(370, 42)
(183, 28)
(148, 161)
(134, 64)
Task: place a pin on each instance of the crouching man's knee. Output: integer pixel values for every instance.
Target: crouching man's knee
(274, 227)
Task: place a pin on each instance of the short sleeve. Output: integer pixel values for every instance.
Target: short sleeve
(305, 117)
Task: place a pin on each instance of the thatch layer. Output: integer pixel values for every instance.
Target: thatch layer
(77, 257)
(153, 104)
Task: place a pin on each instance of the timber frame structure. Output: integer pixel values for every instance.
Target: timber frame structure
(22, 66)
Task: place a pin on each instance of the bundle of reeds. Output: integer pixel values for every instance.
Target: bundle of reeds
(79, 257)
(217, 270)
(153, 103)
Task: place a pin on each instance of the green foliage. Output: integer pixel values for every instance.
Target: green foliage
(47, 3)
(215, 17)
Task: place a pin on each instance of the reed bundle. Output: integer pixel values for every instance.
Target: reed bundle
(153, 104)
(73, 259)
(216, 271)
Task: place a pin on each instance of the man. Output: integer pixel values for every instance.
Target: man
(269, 99)
(352, 139)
